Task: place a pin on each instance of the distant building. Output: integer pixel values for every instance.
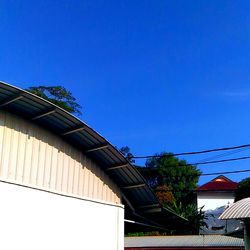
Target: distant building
(214, 197)
(216, 193)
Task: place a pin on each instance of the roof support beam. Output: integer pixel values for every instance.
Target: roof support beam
(152, 224)
(149, 206)
(118, 166)
(135, 186)
(153, 210)
(128, 202)
(10, 100)
(48, 112)
(96, 149)
(73, 131)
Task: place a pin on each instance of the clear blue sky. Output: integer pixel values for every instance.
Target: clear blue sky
(154, 75)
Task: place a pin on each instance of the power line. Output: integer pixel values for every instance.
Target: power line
(207, 174)
(224, 154)
(198, 175)
(213, 162)
(227, 172)
(194, 152)
(220, 161)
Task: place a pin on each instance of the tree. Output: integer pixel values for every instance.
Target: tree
(59, 96)
(168, 175)
(164, 195)
(180, 177)
(243, 190)
(127, 154)
(197, 220)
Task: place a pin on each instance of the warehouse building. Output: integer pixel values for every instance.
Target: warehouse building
(62, 185)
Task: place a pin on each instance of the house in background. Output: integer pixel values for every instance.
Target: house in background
(216, 193)
(214, 197)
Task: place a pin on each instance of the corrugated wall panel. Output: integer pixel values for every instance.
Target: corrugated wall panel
(82, 176)
(33, 156)
(77, 169)
(65, 171)
(53, 172)
(2, 128)
(13, 154)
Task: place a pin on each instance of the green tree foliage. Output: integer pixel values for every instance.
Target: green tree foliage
(180, 177)
(243, 190)
(127, 154)
(59, 96)
(197, 219)
(170, 176)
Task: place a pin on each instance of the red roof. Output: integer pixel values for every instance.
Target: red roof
(220, 183)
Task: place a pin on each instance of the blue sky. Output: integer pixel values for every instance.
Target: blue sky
(154, 75)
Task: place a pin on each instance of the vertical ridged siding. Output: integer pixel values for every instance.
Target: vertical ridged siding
(34, 156)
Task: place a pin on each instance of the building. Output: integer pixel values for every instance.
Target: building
(240, 210)
(216, 193)
(214, 197)
(62, 185)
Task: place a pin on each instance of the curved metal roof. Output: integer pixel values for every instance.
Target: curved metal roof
(238, 210)
(137, 194)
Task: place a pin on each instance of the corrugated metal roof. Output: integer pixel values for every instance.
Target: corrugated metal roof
(238, 210)
(183, 241)
(77, 133)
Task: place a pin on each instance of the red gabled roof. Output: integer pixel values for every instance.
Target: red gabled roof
(220, 183)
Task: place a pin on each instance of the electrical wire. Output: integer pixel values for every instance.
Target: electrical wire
(220, 161)
(214, 162)
(207, 174)
(224, 154)
(194, 152)
(235, 148)
(227, 172)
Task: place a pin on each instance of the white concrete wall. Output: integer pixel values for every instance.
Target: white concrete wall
(211, 204)
(211, 201)
(34, 219)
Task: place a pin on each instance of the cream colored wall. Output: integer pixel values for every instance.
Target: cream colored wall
(31, 155)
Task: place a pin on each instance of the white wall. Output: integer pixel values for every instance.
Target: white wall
(211, 201)
(211, 204)
(33, 219)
